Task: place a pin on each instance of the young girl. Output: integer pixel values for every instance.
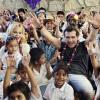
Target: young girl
(40, 68)
(59, 89)
(11, 50)
(20, 90)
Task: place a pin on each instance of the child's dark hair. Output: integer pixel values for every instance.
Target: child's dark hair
(60, 13)
(20, 66)
(19, 86)
(9, 39)
(61, 65)
(35, 54)
(22, 10)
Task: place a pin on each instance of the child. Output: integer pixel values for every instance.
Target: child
(12, 49)
(59, 89)
(20, 90)
(41, 69)
(94, 56)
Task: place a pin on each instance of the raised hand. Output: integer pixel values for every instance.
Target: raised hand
(91, 48)
(26, 60)
(11, 62)
(95, 21)
(57, 21)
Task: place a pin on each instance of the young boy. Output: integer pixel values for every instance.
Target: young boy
(59, 89)
(26, 76)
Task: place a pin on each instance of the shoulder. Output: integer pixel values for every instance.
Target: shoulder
(35, 98)
(69, 91)
(68, 87)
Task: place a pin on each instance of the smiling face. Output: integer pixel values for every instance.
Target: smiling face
(60, 77)
(12, 47)
(71, 39)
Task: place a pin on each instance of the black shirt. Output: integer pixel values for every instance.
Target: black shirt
(79, 64)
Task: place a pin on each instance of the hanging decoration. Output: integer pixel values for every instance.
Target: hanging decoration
(32, 3)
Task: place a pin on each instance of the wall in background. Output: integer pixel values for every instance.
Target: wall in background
(54, 5)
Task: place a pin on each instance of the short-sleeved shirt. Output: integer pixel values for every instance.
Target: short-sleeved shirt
(63, 93)
(49, 49)
(41, 76)
(79, 64)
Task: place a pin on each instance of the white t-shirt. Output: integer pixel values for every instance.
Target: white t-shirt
(17, 57)
(64, 93)
(41, 77)
(35, 98)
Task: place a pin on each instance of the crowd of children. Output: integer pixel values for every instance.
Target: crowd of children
(47, 56)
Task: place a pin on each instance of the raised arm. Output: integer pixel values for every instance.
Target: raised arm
(44, 32)
(55, 41)
(92, 52)
(7, 79)
(95, 26)
(34, 84)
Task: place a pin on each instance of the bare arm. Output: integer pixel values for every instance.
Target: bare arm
(49, 73)
(34, 84)
(95, 23)
(92, 35)
(55, 41)
(92, 53)
(7, 79)
(54, 58)
(35, 33)
(94, 61)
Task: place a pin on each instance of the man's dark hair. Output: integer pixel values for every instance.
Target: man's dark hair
(70, 29)
(60, 13)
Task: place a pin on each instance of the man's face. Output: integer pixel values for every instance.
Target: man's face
(71, 39)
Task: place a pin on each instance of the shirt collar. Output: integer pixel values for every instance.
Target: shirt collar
(61, 89)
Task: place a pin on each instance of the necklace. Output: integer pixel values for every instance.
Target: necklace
(72, 55)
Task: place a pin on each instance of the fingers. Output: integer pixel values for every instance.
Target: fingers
(10, 60)
(26, 60)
